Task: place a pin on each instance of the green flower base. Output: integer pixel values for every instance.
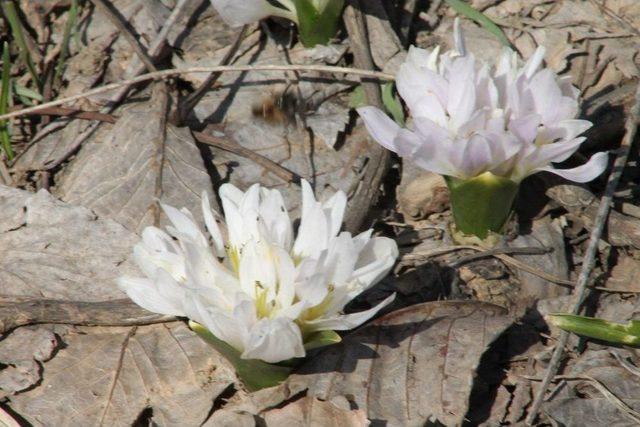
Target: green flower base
(256, 374)
(317, 27)
(483, 204)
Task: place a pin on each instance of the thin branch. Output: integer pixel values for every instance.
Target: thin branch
(192, 70)
(580, 291)
(235, 148)
(16, 312)
(157, 162)
(74, 113)
(378, 157)
(194, 98)
(124, 29)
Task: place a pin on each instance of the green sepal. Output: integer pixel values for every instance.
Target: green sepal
(255, 374)
(390, 100)
(617, 333)
(482, 204)
(314, 26)
(392, 103)
(321, 339)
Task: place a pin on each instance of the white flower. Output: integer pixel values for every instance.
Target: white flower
(259, 289)
(240, 12)
(469, 118)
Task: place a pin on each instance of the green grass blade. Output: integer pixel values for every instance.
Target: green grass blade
(25, 92)
(68, 30)
(5, 137)
(10, 13)
(464, 9)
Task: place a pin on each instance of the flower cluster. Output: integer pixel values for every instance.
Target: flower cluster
(252, 284)
(510, 119)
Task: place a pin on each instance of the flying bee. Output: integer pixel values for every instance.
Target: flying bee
(278, 108)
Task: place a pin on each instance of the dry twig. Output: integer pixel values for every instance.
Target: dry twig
(16, 312)
(235, 148)
(192, 70)
(378, 157)
(124, 29)
(591, 252)
(606, 393)
(192, 100)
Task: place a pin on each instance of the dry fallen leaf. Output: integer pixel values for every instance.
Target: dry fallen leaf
(50, 249)
(21, 350)
(143, 163)
(109, 376)
(407, 368)
(311, 412)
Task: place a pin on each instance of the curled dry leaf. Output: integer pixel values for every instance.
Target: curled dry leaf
(21, 351)
(421, 193)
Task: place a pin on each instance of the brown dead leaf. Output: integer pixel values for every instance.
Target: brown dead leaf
(50, 249)
(625, 275)
(581, 403)
(108, 376)
(116, 174)
(312, 412)
(406, 368)
(241, 107)
(544, 233)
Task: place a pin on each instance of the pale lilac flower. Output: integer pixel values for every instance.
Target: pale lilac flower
(471, 117)
(256, 286)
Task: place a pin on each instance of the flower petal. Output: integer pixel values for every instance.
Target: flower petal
(159, 295)
(346, 321)
(274, 340)
(212, 226)
(380, 126)
(585, 173)
(374, 262)
(237, 13)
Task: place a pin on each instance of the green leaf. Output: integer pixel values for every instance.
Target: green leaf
(317, 26)
(5, 136)
(617, 333)
(321, 339)
(255, 374)
(482, 204)
(392, 103)
(464, 9)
